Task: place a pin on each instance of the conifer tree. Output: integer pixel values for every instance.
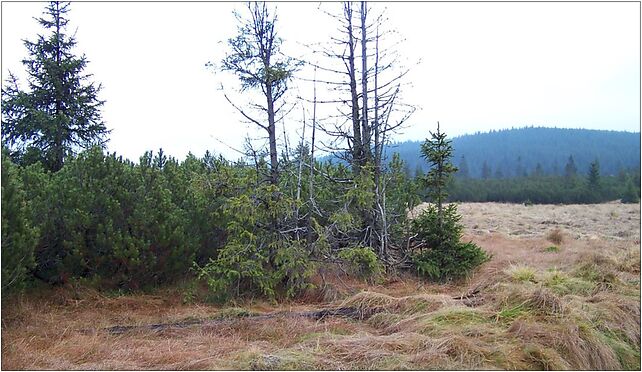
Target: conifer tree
(570, 170)
(464, 172)
(438, 151)
(485, 171)
(59, 113)
(19, 236)
(255, 57)
(438, 228)
(594, 182)
(594, 175)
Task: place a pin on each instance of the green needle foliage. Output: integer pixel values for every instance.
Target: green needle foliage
(59, 112)
(440, 253)
(19, 236)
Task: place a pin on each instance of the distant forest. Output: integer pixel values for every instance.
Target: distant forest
(513, 153)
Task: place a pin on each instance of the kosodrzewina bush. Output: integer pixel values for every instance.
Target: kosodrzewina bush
(19, 236)
(441, 254)
(363, 261)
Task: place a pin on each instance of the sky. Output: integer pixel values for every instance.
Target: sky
(473, 67)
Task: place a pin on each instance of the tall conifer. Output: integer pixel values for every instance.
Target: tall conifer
(59, 112)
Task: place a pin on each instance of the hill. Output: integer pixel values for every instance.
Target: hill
(514, 152)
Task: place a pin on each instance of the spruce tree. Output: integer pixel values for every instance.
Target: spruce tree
(437, 151)
(438, 228)
(594, 183)
(464, 172)
(570, 170)
(594, 175)
(485, 171)
(59, 113)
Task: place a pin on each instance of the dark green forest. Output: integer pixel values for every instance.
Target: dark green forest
(525, 151)
(73, 212)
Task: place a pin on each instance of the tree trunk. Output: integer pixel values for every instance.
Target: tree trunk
(365, 125)
(58, 150)
(274, 160)
(311, 186)
(357, 144)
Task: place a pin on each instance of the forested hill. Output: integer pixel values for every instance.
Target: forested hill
(510, 152)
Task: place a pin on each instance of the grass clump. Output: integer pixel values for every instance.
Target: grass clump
(511, 313)
(627, 354)
(545, 358)
(459, 317)
(369, 303)
(629, 261)
(563, 284)
(576, 343)
(552, 249)
(521, 273)
(545, 302)
(555, 236)
(384, 320)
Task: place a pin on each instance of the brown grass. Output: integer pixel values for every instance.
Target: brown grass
(555, 236)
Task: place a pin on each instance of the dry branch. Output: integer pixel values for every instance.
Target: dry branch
(347, 312)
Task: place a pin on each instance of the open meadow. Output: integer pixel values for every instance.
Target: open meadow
(562, 291)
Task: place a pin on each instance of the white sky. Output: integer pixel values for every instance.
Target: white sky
(484, 66)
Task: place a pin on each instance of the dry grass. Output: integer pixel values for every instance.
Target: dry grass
(578, 308)
(555, 236)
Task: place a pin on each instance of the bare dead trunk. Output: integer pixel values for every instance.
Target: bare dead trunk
(311, 186)
(365, 125)
(357, 144)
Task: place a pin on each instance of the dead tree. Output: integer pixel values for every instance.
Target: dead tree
(367, 114)
(255, 58)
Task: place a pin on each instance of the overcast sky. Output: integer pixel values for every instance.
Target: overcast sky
(483, 66)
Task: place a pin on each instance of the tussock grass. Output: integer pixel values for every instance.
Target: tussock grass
(629, 261)
(577, 344)
(544, 358)
(555, 236)
(521, 273)
(370, 302)
(563, 284)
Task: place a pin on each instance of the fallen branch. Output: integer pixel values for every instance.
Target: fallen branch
(348, 312)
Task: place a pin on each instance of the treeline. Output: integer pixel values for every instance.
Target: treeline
(542, 189)
(530, 151)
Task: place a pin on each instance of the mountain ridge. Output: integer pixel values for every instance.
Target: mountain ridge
(508, 152)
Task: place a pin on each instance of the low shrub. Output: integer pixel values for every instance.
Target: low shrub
(363, 261)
